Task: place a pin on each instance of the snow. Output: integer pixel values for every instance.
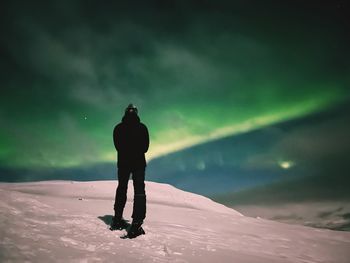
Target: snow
(331, 214)
(64, 221)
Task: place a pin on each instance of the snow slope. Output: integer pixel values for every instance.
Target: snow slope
(63, 221)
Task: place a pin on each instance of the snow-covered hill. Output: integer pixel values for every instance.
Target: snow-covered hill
(60, 221)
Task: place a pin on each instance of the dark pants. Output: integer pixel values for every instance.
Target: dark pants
(139, 208)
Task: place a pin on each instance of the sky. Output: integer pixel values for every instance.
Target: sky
(197, 71)
(305, 159)
(296, 173)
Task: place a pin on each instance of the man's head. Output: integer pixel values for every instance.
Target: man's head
(131, 109)
(130, 115)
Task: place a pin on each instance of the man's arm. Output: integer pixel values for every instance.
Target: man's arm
(146, 139)
(116, 138)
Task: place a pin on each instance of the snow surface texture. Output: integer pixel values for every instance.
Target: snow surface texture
(63, 221)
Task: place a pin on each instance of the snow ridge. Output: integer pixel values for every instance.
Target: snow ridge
(57, 221)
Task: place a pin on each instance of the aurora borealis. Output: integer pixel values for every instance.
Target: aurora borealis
(197, 70)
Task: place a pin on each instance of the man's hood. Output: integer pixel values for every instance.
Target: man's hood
(131, 119)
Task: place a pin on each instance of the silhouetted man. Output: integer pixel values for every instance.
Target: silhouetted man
(131, 140)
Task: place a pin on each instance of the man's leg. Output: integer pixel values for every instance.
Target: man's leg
(139, 208)
(120, 195)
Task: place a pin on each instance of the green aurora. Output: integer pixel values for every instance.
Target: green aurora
(69, 69)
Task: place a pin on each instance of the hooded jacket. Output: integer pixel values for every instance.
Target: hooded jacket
(131, 140)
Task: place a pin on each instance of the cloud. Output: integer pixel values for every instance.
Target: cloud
(48, 151)
(196, 75)
(315, 141)
(319, 141)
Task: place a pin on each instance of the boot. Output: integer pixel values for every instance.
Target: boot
(135, 230)
(119, 224)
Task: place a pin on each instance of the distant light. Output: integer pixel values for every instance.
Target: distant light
(85, 118)
(286, 164)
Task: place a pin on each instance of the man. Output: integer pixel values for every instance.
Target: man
(131, 141)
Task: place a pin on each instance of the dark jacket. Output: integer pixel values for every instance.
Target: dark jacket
(131, 140)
